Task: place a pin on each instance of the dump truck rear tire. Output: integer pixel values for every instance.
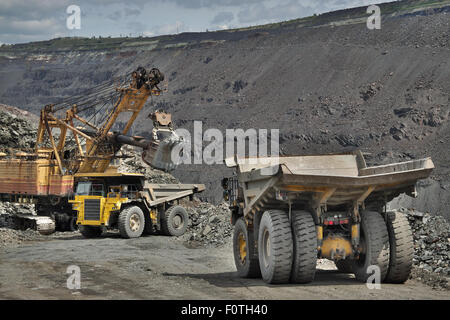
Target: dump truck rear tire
(344, 266)
(374, 235)
(131, 222)
(305, 247)
(90, 231)
(244, 251)
(401, 247)
(275, 248)
(174, 221)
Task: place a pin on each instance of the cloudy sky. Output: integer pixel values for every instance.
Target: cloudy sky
(33, 20)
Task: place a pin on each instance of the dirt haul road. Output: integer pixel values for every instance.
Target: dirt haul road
(158, 267)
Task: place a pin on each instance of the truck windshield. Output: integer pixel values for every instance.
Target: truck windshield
(83, 188)
(87, 188)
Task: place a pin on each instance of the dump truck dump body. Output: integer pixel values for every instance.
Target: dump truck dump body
(338, 175)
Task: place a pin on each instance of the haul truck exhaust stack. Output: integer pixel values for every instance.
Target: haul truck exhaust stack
(289, 211)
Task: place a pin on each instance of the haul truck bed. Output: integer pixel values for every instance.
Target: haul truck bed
(329, 206)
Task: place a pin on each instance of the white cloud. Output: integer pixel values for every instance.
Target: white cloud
(176, 27)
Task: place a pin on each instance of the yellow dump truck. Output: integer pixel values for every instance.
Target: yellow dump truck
(125, 201)
(290, 211)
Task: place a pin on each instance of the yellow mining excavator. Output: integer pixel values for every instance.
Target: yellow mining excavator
(76, 150)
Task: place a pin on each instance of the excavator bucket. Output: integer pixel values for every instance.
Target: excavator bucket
(158, 153)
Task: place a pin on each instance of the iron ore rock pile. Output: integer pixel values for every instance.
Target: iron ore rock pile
(8, 235)
(431, 262)
(209, 225)
(134, 163)
(16, 132)
(7, 209)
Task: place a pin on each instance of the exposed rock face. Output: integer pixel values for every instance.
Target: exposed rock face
(16, 131)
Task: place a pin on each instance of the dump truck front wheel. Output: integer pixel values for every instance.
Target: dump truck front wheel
(401, 247)
(275, 247)
(90, 231)
(174, 221)
(131, 222)
(247, 264)
(374, 247)
(305, 247)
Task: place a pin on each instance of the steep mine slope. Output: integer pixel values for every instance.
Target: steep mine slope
(328, 86)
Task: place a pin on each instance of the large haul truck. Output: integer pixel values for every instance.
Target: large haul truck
(125, 201)
(289, 211)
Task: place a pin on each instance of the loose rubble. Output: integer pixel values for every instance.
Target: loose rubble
(431, 262)
(209, 225)
(16, 132)
(134, 163)
(10, 237)
(7, 209)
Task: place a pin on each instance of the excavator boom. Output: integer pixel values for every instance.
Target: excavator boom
(100, 144)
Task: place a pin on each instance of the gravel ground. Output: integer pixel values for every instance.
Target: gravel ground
(154, 267)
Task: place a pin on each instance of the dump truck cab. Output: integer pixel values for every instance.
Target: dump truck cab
(99, 199)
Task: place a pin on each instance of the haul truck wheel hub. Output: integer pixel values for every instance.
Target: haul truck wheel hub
(177, 221)
(242, 248)
(135, 222)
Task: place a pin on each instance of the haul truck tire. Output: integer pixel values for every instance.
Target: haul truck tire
(73, 224)
(131, 222)
(243, 249)
(174, 221)
(90, 231)
(375, 247)
(305, 247)
(275, 247)
(401, 248)
(344, 266)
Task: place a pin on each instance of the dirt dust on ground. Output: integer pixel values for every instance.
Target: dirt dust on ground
(159, 267)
